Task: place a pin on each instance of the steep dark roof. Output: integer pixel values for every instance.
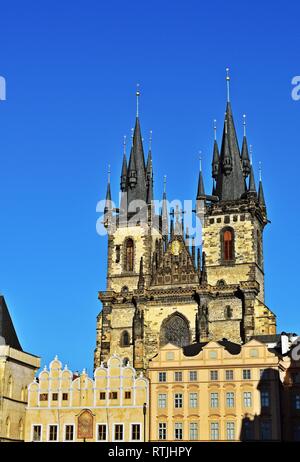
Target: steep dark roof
(195, 348)
(230, 181)
(7, 330)
(268, 338)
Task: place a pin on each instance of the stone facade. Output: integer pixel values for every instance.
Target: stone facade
(160, 286)
(17, 371)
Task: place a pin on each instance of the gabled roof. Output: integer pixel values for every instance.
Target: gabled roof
(8, 334)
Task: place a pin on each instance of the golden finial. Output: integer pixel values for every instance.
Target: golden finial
(215, 130)
(228, 84)
(137, 98)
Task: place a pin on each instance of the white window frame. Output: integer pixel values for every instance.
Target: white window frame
(179, 399)
(165, 430)
(64, 435)
(141, 429)
(180, 424)
(48, 433)
(32, 427)
(97, 432)
(196, 429)
(114, 431)
(229, 430)
(195, 399)
(159, 400)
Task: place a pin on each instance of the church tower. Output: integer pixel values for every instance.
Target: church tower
(160, 287)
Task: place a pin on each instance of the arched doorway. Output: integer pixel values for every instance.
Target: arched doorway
(175, 330)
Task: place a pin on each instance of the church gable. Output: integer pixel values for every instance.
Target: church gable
(175, 266)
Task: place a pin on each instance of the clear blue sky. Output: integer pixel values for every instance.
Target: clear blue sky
(71, 69)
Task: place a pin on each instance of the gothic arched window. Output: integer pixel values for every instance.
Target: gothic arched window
(129, 255)
(259, 249)
(125, 339)
(227, 237)
(175, 330)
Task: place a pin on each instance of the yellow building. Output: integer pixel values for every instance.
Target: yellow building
(17, 370)
(215, 391)
(66, 407)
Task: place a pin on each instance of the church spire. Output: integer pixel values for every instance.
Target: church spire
(245, 153)
(216, 156)
(124, 168)
(164, 213)
(230, 181)
(108, 203)
(149, 173)
(252, 186)
(201, 190)
(261, 196)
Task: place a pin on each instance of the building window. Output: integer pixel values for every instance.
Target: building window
(102, 432)
(125, 339)
(162, 376)
(10, 386)
(230, 431)
(113, 395)
(264, 374)
(54, 396)
(162, 431)
(178, 431)
(135, 432)
(214, 431)
(65, 396)
(229, 375)
(69, 432)
(53, 434)
(228, 244)
(213, 375)
(102, 395)
(259, 249)
(193, 376)
(127, 394)
(118, 253)
(265, 430)
(37, 433)
(43, 396)
(213, 355)
(296, 432)
(162, 400)
(264, 398)
(247, 430)
(246, 374)
(230, 399)
(129, 256)
(178, 400)
(119, 432)
(193, 431)
(247, 399)
(297, 401)
(214, 400)
(228, 312)
(178, 376)
(170, 356)
(193, 400)
(253, 353)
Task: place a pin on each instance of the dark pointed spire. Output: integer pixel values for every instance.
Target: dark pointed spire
(261, 196)
(204, 269)
(137, 168)
(198, 261)
(164, 213)
(108, 205)
(245, 154)
(230, 181)
(201, 189)
(216, 155)
(124, 168)
(252, 186)
(141, 282)
(149, 174)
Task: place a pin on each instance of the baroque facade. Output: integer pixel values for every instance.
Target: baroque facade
(111, 406)
(162, 288)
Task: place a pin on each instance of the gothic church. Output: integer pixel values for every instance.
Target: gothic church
(160, 287)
